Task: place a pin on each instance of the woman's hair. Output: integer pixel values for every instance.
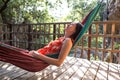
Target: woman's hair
(79, 27)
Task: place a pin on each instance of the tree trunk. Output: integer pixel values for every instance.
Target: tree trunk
(2, 16)
(4, 6)
(4, 21)
(114, 14)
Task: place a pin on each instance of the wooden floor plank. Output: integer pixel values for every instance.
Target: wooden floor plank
(34, 76)
(113, 67)
(12, 73)
(113, 76)
(43, 73)
(119, 69)
(92, 71)
(80, 71)
(95, 64)
(17, 74)
(1, 64)
(113, 73)
(6, 68)
(69, 72)
(72, 69)
(103, 66)
(102, 73)
(78, 75)
(56, 72)
(25, 76)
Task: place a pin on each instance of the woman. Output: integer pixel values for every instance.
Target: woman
(71, 32)
(37, 60)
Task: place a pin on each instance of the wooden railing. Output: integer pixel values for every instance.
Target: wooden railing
(101, 42)
(31, 36)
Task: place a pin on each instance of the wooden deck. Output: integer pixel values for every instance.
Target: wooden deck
(72, 69)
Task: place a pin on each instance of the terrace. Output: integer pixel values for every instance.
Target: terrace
(95, 57)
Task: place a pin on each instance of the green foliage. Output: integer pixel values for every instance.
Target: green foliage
(26, 11)
(80, 8)
(37, 11)
(1, 3)
(117, 45)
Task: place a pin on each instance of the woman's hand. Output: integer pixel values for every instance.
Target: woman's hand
(34, 53)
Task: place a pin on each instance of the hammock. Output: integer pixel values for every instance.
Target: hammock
(21, 58)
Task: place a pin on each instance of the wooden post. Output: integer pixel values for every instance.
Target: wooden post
(29, 37)
(96, 41)
(104, 40)
(112, 36)
(54, 31)
(9, 26)
(89, 43)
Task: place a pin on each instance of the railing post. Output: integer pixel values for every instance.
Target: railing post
(89, 43)
(9, 26)
(1, 32)
(54, 31)
(29, 37)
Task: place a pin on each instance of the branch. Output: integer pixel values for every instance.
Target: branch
(4, 6)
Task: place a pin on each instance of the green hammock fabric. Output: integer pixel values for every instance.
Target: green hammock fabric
(88, 22)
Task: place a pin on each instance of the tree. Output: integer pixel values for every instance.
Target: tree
(37, 11)
(114, 14)
(4, 6)
(24, 11)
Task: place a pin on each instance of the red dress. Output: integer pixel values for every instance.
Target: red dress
(53, 47)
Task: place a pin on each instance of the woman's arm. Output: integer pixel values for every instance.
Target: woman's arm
(66, 47)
